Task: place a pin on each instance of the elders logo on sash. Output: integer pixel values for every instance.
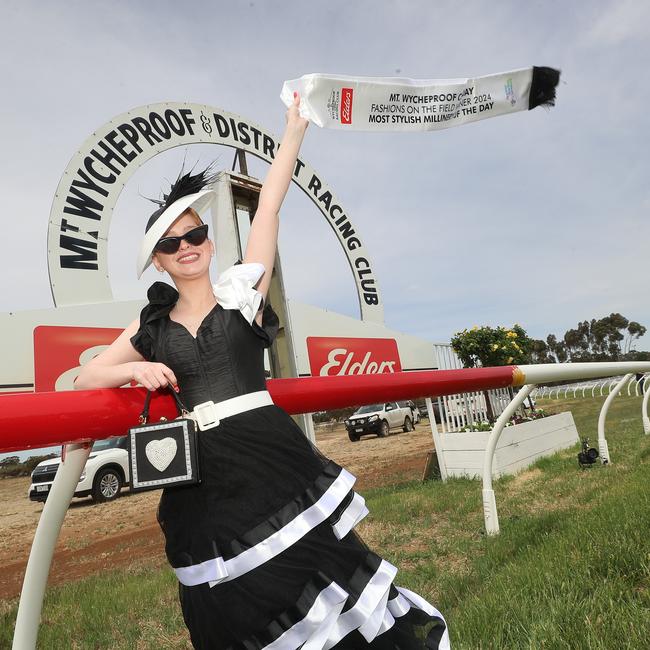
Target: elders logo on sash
(336, 356)
(346, 105)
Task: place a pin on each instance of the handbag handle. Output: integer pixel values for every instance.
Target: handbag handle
(144, 416)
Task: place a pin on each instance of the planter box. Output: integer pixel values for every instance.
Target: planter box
(463, 454)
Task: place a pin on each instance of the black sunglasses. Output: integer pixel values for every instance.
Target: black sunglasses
(195, 237)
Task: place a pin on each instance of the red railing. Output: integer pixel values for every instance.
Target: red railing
(33, 420)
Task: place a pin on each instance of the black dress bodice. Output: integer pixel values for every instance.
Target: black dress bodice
(226, 359)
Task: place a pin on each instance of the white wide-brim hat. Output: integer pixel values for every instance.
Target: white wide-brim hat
(199, 202)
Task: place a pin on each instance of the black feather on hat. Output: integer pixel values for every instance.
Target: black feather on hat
(184, 185)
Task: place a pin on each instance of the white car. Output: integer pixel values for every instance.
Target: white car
(415, 411)
(105, 473)
(378, 419)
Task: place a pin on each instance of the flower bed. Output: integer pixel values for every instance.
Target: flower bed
(516, 419)
(462, 453)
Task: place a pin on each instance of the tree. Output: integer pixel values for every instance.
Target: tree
(634, 331)
(610, 338)
(492, 346)
(335, 414)
(32, 461)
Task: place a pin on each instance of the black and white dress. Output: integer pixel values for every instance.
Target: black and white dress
(263, 547)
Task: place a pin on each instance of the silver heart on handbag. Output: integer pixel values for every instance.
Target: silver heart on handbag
(161, 452)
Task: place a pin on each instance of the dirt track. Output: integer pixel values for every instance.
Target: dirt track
(125, 532)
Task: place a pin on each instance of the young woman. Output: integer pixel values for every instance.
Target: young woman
(264, 547)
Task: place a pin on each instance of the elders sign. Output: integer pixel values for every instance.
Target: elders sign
(332, 356)
(60, 351)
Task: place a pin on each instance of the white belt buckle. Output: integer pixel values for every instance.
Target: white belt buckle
(206, 415)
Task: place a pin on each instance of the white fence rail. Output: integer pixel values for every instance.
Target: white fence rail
(637, 386)
(457, 411)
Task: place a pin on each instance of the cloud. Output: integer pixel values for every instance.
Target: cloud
(621, 22)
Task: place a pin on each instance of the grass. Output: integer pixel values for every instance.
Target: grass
(570, 569)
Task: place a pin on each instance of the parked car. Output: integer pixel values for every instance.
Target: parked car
(378, 419)
(424, 413)
(415, 412)
(105, 473)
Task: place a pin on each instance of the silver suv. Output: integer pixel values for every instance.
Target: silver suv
(378, 419)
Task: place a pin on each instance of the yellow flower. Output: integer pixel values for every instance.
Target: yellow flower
(474, 328)
(503, 347)
(515, 346)
(509, 360)
(511, 335)
(495, 346)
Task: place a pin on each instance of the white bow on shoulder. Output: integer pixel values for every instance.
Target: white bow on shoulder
(234, 289)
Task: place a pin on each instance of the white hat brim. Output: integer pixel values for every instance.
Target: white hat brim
(199, 202)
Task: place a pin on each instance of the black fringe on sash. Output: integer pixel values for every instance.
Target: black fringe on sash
(542, 87)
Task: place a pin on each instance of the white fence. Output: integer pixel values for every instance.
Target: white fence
(459, 411)
(637, 386)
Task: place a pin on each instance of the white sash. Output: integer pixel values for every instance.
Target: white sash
(399, 104)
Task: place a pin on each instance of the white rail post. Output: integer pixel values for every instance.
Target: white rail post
(73, 460)
(644, 407)
(489, 502)
(440, 452)
(603, 451)
(441, 412)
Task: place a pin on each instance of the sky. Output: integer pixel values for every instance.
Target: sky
(539, 217)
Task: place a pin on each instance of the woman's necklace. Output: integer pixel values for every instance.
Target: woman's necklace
(193, 323)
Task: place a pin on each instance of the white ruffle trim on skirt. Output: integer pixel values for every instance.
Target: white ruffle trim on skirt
(373, 614)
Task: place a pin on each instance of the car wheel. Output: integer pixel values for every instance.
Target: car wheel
(107, 485)
(353, 436)
(383, 429)
(408, 425)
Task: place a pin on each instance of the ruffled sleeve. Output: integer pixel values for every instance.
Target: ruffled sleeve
(269, 328)
(162, 299)
(235, 289)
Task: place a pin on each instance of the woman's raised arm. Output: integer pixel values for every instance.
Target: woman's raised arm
(263, 237)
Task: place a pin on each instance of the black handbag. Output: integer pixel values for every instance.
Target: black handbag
(163, 454)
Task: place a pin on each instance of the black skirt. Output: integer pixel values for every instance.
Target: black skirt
(266, 555)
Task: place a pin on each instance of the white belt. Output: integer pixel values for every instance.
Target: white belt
(208, 414)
